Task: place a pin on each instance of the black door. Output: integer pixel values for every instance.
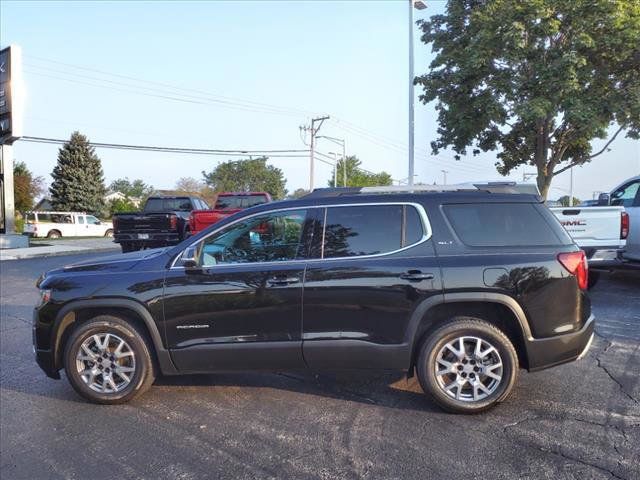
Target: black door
(241, 308)
(377, 264)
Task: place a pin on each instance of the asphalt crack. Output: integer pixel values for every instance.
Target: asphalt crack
(611, 376)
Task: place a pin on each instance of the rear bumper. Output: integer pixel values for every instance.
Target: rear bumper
(604, 257)
(548, 352)
(154, 238)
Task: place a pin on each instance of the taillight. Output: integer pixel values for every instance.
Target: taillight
(173, 222)
(624, 225)
(576, 264)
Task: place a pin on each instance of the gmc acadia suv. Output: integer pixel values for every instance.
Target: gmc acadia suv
(461, 287)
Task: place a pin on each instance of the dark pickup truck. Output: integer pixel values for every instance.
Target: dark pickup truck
(163, 221)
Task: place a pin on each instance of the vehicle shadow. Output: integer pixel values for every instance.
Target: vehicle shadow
(387, 389)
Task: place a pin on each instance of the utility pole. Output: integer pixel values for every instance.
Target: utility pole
(314, 131)
(444, 175)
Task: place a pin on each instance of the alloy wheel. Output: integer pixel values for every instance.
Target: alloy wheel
(106, 363)
(468, 369)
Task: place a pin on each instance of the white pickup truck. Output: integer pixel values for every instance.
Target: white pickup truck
(600, 231)
(65, 224)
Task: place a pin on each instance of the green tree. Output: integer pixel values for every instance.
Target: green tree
(26, 187)
(357, 177)
(298, 193)
(119, 205)
(78, 181)
(247, 176)
(133, 189)
(537, 80)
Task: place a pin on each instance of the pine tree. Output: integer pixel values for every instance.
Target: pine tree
(78, 180)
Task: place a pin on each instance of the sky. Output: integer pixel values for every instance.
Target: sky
(242, 75)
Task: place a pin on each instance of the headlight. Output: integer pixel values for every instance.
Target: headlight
(45, 296)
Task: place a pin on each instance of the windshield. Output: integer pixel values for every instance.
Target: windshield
(230, 202)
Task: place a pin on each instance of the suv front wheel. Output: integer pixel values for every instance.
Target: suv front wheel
(107, 360)
(467, 365)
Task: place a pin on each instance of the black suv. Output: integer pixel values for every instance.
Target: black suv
(462, 287)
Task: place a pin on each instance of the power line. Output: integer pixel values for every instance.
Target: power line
(193, 151)
(249, 103)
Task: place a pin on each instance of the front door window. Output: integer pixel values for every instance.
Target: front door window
(273, 237)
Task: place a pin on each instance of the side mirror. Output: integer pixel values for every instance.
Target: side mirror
(604, 200)
(189, 259)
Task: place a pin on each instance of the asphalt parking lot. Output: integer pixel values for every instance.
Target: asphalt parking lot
(580, 420)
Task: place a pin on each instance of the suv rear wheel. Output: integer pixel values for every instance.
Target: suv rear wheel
(467, 365)
(107, 360)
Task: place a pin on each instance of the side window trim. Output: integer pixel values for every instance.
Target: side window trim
(427, 232)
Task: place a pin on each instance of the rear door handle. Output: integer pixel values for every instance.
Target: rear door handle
(416, 275)
(279, 281)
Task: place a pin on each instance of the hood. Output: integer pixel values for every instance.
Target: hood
(111, 263)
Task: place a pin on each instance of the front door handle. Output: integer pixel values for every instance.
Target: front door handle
(279, 281)
(416, 275)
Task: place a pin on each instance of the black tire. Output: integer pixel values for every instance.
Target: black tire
(593, 279)
(466, 327)
(108, 233)
(54, 234)
(140, 379)
(126, 247)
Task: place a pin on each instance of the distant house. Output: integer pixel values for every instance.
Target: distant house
(120, 196)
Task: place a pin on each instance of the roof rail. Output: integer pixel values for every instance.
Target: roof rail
(488, 187)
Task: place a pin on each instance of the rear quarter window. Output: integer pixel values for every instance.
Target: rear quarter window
(505, 225)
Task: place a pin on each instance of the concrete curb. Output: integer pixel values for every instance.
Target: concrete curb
(52, 251)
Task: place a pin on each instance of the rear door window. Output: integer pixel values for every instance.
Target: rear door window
(370, 229)
(504, 224)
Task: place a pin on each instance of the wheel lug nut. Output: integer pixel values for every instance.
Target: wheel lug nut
(459, 367)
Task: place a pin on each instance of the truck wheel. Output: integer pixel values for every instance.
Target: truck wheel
(54, 234)
(467, 365)
(108, 361)
(126, 247)
(593, 279)
(109, 233)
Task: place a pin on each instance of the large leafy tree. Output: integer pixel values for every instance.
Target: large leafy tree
(357, 177)
(131, 188)
(537, 80)
(78, 180)
(26, 187)
(247, 176)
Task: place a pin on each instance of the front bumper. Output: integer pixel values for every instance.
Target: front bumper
(44, 357)
(548, 352)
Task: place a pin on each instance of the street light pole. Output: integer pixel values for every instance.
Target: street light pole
(335, 169)
(418, 5)
(340, 141)
(411, 77)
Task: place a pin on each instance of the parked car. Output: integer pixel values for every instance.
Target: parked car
(65, 224)
(461, 287)
(163, 221)
(600, 231)
(227, 204)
